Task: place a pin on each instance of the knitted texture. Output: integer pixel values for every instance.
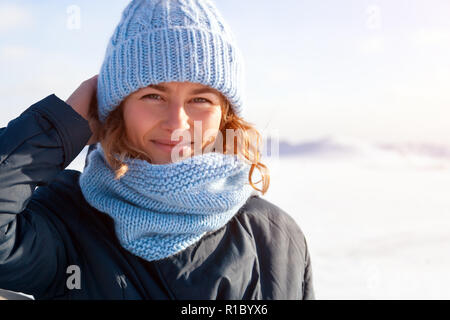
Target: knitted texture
(160, 210)
(170, 40)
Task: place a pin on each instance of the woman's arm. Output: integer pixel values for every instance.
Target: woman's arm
(34, 148)
(308, 288)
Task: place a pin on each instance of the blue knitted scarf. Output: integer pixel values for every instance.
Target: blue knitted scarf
(160, 210)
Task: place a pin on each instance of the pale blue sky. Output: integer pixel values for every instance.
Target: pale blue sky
(375, 70)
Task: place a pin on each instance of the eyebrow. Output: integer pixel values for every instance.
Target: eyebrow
(195, 91)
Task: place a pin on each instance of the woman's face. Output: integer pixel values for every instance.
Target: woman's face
(159, 117)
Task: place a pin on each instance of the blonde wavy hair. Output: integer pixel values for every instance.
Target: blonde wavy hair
(246, 144)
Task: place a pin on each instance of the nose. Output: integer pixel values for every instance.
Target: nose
(176, 118)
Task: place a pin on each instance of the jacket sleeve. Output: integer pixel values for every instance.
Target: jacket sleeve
(34, 148)
(308, 289)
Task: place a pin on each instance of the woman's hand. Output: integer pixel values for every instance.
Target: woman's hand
(84, 101)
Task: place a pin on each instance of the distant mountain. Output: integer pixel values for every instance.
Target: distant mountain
(349, 146)
(431, 150)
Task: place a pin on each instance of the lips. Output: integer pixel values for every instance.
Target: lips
(169, 142)
(167, 145)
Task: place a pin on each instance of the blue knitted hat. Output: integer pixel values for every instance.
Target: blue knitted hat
(170, 40)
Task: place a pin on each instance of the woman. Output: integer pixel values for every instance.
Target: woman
(166, 207)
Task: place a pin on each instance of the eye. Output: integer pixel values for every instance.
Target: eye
(201, 100)
(151, 96)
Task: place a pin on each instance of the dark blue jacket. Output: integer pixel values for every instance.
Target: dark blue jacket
(54, 245)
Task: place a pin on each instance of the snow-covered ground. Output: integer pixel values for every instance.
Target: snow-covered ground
(376, 218)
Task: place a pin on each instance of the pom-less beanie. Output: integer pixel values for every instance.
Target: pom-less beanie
(170, 40)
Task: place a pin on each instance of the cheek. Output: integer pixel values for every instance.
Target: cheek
(211, 123)
(137, 124)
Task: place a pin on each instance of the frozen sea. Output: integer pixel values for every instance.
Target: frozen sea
(377, 219)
